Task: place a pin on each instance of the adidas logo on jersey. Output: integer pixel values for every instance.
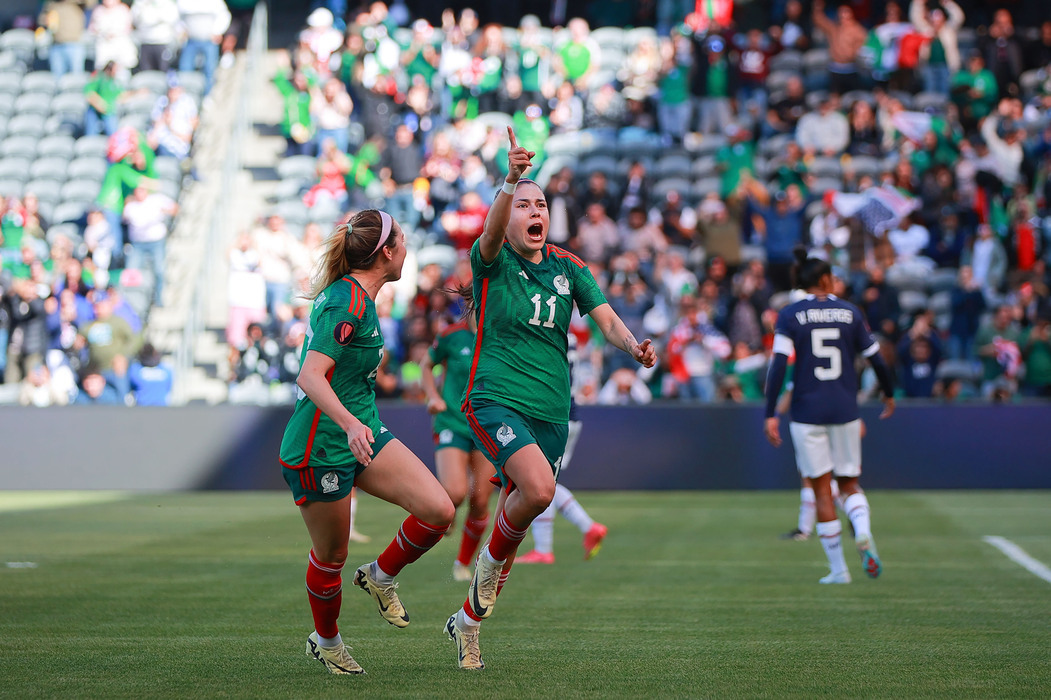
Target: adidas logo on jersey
(375, 332)
(523, 273)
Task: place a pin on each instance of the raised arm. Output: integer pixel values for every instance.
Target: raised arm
(314, 384)
(519, 160)
(435, 402)
(619, 336)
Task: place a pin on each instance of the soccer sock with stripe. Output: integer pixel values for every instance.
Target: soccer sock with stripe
(831, 542)
(807, 510)
(571, 510)
(472, 534)
(412, 541)
(857, 507)
(325, 593)
(505, 539)
(543, 529)
(465, 617)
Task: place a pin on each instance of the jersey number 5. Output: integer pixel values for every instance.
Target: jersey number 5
(550, 303)
(818, 339)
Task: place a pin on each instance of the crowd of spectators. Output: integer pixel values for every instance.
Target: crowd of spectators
(908, 143)
(83, 244)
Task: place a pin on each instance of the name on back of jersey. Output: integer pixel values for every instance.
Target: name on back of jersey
(832, 315)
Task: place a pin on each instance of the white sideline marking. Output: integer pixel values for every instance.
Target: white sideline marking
(1019, 556)
(15, 501)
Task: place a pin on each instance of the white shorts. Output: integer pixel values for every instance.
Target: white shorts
(821, 449)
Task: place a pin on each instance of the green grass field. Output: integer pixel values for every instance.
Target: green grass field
(201, 595)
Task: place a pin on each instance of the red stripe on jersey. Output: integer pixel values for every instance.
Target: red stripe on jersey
(313, 431)
(483, 436)
(477, 344)
(565, 254)
(453, 327)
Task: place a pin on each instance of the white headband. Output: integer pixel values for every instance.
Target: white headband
(388, 223)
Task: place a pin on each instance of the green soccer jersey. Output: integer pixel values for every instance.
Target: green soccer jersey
(454, 347)
(523, 320)
(344, 326)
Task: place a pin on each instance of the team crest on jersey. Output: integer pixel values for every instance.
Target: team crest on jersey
(505, 435)
(320, 300)
(562, 284)
(344, 332)
(330, 482)
(445, 437)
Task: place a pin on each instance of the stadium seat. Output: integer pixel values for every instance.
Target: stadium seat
(69, 212)
(814, 98)
(298, 167)
(69, 230)
(777, 80)
(290, 189)
(612, 59)
(171, 188)
(911, 301)
(87, 168)
(903, 278)
(849, 98)
(11, 188)
(940, 302)
(294, 211)
(45, 190)
(605, 164)
(775, 145)
(33, 103)
(10, 82)
(824, 184)
(787, 60)
(905, 98)
(942, 279)
(934, 101)
(168, 168)
(624, 165)
(49, 168)
(74, 82)
(80, 190)
(633, 37)
(71, 103)
(138, 121)
(670, 166)
(677, 184)
(7, 104)
(705, 186)
(41, 81)
(325, 212)
(495, 120)
(444, 256)
(703, 167)
(8, 61)
(706, 144)
(825, 166)
(25, 124)
(20, 42)
(192, 82)
(609, 38)
(91, 146)
(14, 169)
(155, 81)
(864, 165)
(59, 146)
(18, 147)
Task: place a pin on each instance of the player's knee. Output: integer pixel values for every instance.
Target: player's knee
(538, 497)
(441, 513)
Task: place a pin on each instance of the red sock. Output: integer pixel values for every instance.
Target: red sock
(412, 541)
(325, 593)
(472, 535)
(505, 538)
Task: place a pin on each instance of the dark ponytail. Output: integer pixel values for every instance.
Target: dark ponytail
(808, 271)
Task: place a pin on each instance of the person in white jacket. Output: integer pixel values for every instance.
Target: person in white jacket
(940, 56)
(155, 24)
(205, 22)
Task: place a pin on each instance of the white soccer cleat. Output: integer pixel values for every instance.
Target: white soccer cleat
(336, 659)
(869, 558)
(482, 594)
(386, 597)
(470, 655)
(843, 577)
(462, 572)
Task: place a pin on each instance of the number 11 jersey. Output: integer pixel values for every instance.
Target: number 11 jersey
(524, 310)
(826, 334)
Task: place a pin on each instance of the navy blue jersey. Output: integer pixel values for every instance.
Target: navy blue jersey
(826, 334)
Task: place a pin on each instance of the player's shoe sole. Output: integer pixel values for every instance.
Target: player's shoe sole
(836, 578)
(482, 594)
(869, 558)
(337, 660)
(593, 539)
(536, 557)
(386, 598)
(469, 654)
(462, 572)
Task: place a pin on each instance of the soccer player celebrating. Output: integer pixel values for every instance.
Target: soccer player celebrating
(517, 395)
(827, 334)
(335, 440)
(461, 468)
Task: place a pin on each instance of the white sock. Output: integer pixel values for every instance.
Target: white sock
(381, 576)
(857, 508)
(832, 544)
(330, 642)
(807, 510)
(464, 622)
(489, 556)
(570, 509)
(543, 529)
(353, 509)
(836, 496)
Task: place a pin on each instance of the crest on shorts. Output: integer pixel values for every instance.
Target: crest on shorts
(344, 332)
(505, 435)
(562, 284)
(330, 482)
(445, 437)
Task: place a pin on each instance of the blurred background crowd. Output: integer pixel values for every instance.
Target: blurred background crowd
(685, 148)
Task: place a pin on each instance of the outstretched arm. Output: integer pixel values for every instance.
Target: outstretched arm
(619, 336)
(519, 160)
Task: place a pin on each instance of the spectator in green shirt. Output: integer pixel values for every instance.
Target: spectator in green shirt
(998, 349)
(673, 107)
(296, 123)
(974, 91)
(578, 58)
(1036, 349)
(103, 92)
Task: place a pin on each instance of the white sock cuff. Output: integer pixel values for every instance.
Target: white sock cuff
(829, 529)
(806, 495)
(854, 500)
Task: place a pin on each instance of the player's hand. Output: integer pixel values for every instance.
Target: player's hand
(888, 408)
(360, 439)
(644, 353)
(519, 160)
(436, 406)
(772, 430)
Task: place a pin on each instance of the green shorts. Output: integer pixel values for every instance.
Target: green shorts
(499, 432)
(447, 437)
(328, 483)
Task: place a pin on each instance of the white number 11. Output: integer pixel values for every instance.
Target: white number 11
(535, 321)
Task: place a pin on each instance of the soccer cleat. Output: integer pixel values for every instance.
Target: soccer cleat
(462, 572)
(482, 594)
(593, 539)
(843, 577)
(336, 660)
(386, 597)
(536, 557)
(797, 535)
(470, 658)
(869, 558)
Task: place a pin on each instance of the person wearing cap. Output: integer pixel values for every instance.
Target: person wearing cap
(335, 441)
(205, 22)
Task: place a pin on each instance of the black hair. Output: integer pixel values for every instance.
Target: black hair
(809, 271)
